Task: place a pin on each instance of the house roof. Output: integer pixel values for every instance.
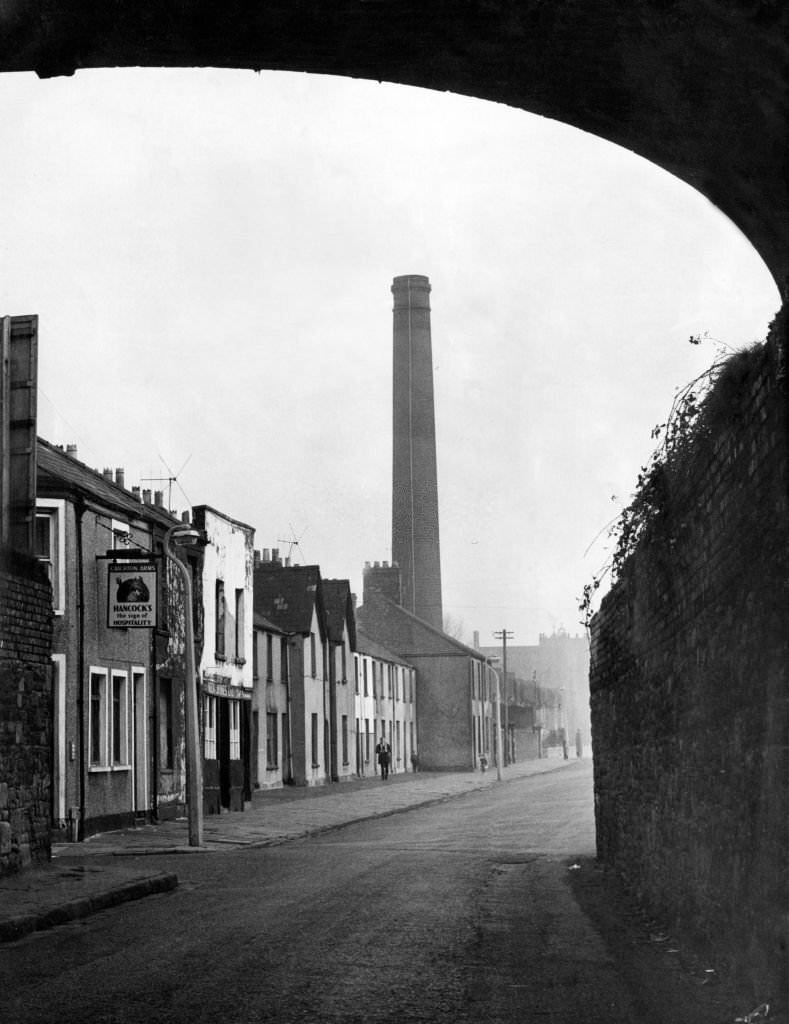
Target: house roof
(288, 595)
(365, 644)
(261, 622)
(338, 604)
(199, 517)
(415, 636)
(58, 471)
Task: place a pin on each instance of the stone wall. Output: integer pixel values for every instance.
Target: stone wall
(25, 714)
(689, 696)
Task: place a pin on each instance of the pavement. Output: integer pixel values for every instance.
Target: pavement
(113, 867)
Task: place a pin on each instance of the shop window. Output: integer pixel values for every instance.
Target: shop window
(209, 727)
(235, 730)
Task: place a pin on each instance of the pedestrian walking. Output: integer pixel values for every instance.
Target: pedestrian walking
(384, 752)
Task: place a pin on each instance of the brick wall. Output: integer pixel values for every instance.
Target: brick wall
(25, 714)
(689, 696)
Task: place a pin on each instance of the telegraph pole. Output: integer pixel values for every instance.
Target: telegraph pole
(504, 635)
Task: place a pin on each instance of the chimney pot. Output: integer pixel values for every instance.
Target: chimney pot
(158, 499)
(385, 565)
(367, 565)
(136, 492)
(71, 450)
(376, 565)
(275, 554)
(256, 558)
(120, 477)
(185, 517)
(266, 555)
(107, 473)
(146, 496)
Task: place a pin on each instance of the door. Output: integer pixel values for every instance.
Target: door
(223, 750)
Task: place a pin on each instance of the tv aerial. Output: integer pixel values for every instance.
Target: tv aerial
(170, 480)
(295, 542)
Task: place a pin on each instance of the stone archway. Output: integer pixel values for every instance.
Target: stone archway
(696, 86)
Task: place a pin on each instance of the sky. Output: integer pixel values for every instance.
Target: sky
(210, 254)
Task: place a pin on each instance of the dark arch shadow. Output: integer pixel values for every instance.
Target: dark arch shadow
(698, 87)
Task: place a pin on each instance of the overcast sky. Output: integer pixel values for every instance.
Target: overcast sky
(211, 253)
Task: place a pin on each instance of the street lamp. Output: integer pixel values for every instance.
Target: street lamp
(498, 719)
(194, 774)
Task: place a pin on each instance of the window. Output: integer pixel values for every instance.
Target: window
(239, 655)
(119, 720)
(367, 741)
(364, 667)
(389, 681)
(313, 660)
(272, 759)
(355, 674)
(255, 659)
(166, 746)
(284, 664)
(235, 730)
(97, 727)
(209, 727)
(315, 761)
(270, 657)
(219, 606)
(49, 541)
(397, 743)
(344, 675)
(121, 535)
(345, 739)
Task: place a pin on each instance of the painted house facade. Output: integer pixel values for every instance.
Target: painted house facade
(272, 762)
(226, 662)
(385, 687)
(118, 744)
(290, 599)
(338, 604)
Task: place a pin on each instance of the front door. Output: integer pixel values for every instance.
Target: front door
(223, 750)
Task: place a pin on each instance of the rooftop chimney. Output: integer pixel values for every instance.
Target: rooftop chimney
(256, 557)
(107, 473)
(146, 496)
(71, 450)
(120, 477)
(136, 491)
(158, 499)
(266, 555)
(185, 517)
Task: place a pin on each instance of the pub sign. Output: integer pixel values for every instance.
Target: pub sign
(131, 595)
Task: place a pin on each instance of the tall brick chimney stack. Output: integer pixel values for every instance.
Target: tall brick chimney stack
(415, 544)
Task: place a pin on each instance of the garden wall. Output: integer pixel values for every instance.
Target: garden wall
(689, 694)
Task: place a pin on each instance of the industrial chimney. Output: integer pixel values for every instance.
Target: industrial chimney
(415, 543)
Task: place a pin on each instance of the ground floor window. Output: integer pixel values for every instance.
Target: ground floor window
(272, 753)
(367, 741)
(118, 724)
(166, 745)
(97, 725)
(345, 739)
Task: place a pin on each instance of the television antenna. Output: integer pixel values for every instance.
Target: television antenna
(170, 480)
(295, 542)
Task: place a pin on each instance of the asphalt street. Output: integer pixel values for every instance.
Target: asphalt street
(459, 911)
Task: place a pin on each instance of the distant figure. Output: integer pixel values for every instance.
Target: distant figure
(579, 744)
(414, 762)
(483, 763)
(384, 752)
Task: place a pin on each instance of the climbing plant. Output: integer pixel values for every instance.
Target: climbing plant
(697, 410)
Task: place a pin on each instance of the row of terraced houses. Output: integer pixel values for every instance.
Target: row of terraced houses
(295, 684)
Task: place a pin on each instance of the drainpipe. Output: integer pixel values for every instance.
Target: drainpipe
(79, 509)
(335, 777)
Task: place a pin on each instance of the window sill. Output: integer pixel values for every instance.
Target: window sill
(240, 662)
(220, 659)
(98, 769)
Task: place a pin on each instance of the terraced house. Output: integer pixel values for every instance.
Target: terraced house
(118, 654)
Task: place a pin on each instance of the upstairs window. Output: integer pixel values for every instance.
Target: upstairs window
(239, 652)
(219, 637)
(48, 541)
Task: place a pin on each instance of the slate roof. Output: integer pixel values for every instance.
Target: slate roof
(365, 644)
(57, 472)
(415, 634)
(338, 606)
(287, 595)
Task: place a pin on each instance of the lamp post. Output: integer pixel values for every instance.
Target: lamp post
(194, 771)
(498, 720)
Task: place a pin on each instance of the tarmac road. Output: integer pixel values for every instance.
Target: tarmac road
(460, 911)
